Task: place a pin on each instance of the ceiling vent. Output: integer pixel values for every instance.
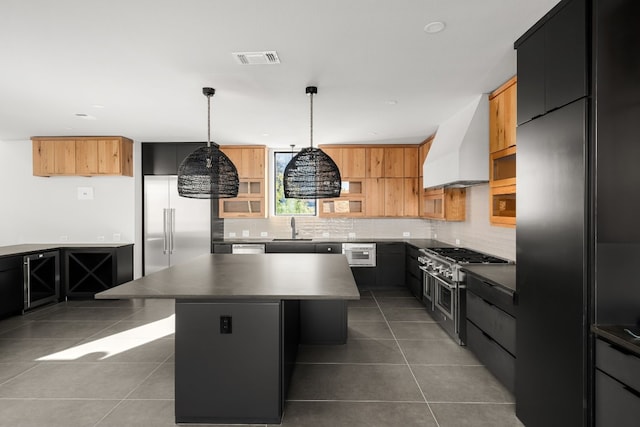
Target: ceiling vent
(257, 58)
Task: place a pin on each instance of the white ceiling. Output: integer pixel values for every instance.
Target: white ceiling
(380, 77)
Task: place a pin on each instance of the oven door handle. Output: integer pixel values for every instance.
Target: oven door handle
(445, 284)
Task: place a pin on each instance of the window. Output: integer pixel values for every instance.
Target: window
(282, 205)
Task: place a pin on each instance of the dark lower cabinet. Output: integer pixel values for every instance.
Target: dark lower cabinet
(92, 270)
(390, 264)
(491, 330)
(617, 386)
(11, 300)
(413, 274)
(495, 358)
(323, 322)
(230, 366)
(221, 248)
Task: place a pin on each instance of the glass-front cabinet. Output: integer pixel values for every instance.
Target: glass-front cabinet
(503, 205)
(250, 202)
(350, 202)
(448, 204)
(503, 167)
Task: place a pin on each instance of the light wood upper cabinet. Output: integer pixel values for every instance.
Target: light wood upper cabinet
(423, 151)
(394, 162)
(374, 197)
(375, 162)
(502, 159)
(390, 189)
(249, 159)
(411, 162)
(411, 200)
(502, 116)
(54, 157)
(351, 160)
(84, 156)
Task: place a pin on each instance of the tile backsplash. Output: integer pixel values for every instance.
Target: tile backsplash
(475, 233)
(323, 228)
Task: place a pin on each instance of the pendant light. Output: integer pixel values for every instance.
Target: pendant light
(311, 174)
(207, 173)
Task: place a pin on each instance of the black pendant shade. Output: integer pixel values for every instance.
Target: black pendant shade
(207, 173)
(312, 174)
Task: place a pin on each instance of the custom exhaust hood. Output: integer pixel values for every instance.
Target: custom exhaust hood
(459, 154)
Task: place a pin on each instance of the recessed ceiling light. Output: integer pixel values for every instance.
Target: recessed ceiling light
(434, 27)
(85, 116)
(265, 134)
(97, 106)
(391, 102)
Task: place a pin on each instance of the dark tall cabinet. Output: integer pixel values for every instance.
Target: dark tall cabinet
(554, 229)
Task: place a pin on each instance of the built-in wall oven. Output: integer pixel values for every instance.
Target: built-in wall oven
(443, 285)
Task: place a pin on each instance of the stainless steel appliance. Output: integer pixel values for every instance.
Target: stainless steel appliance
(443, 285)
(248, 248)
(360, 254)
(176, 229)
(41, 279)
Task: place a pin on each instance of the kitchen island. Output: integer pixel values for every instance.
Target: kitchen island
(238, 326)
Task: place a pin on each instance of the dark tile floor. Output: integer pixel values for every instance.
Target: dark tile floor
(110, 363)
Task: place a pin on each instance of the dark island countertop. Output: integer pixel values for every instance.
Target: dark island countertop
(617, 335)
(255, 276)
(28, 248)
(498, 274)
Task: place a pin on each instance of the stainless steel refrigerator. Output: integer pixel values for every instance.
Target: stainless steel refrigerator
(176, 229)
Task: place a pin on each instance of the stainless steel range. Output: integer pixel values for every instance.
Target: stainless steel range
(443, 285)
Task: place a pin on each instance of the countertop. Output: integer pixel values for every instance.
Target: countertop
(255, 276)
(419, 243)
(498, 274)
(617, 335)
(39, 247)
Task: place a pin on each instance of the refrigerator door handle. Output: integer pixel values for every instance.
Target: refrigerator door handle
(164, 231)
(173, 230)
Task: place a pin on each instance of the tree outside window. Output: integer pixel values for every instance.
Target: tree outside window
(284, 206)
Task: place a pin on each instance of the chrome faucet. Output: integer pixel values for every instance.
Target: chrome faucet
(294, 233)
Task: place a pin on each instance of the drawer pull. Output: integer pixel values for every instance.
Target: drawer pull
(632, 391)
(499, 289)
(621, 350)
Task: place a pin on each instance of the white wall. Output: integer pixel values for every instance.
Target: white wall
(42, 210)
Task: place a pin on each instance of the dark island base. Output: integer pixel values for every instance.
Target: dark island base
(234, 359)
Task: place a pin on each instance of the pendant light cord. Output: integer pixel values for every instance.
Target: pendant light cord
(208, 121)
(311, 119)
